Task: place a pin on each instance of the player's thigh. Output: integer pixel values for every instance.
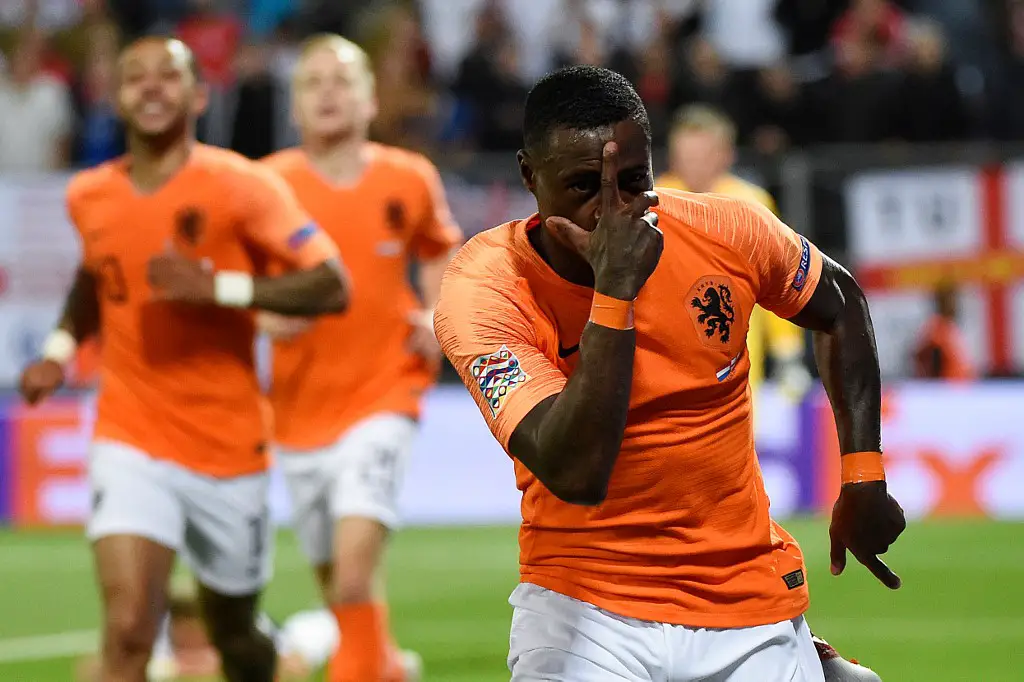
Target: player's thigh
(228, 538)
(309, 477)
(371, 460)
(133, 494)
(779, 652)
(554, 637)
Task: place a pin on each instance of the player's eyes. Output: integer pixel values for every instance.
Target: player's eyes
(584, 185)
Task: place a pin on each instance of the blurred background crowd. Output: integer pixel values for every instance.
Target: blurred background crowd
(452, 74)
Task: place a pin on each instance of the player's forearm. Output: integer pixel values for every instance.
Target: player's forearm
(317, 291)
(847, 361)
(574, 446)
(81, 314)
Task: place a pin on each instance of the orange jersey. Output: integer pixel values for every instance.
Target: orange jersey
(178, 382)
(684, 535)
(350, 366)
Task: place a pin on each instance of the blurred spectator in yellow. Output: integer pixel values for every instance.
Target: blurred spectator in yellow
(941, 352)
(35, 111)
(929, 105)
(701, 155)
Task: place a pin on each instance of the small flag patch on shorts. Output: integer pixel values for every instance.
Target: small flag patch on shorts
(497, 375)
(300, 236)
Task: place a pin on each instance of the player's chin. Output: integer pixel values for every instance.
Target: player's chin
(155, 126)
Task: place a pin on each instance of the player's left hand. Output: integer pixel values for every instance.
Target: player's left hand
(175, 277)
(866, 520)
(421, 340)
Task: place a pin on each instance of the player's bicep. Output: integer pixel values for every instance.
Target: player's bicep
(492, 347)
(835, 288)
(787, 265)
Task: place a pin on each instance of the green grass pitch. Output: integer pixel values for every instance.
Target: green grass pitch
(958, 618)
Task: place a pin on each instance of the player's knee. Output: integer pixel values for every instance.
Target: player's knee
(130, 629)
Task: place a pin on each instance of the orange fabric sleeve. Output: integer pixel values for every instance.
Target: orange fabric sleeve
(788, 266)
(491, 342)
(437, 233)
(275, 222)
(73, 207)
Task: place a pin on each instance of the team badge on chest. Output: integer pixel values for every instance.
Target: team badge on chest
(713, 310)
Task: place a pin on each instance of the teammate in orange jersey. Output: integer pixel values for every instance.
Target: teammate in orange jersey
(346, 392)
(174, 236)
(603, 339)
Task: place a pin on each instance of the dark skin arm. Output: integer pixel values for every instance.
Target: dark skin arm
(317, 291)
(570, 441)
(866, 520)
(81, 319)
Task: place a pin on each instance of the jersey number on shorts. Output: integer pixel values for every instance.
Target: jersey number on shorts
(112, 281)
(257, 540)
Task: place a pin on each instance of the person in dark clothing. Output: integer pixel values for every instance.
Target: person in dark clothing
(929, 105)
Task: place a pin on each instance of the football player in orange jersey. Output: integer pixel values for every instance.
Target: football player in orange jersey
(174, 236)
(346, 391)
(603, 339)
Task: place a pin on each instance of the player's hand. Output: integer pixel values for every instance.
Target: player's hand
(625, 247)
(422, 340)
(174, 277)
(40, 380)
(282, 327)
(866, 520)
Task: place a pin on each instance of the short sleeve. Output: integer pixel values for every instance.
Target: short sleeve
(492, 344)
(437, 233)
(787, 266)
(274, 221)
(73, 208)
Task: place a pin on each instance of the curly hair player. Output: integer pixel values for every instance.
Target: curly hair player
(603, 340)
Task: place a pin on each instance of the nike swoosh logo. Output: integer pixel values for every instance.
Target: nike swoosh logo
(566, 352)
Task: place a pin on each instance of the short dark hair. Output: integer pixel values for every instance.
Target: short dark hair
(580, 97)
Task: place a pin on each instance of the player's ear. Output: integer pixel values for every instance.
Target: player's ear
(526, 172)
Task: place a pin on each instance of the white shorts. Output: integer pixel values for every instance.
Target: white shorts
(219, 526)
(555, 637)
(359, 475)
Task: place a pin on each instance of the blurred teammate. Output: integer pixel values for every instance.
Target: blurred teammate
(346, 392)
(702, 149)
(615, 375)
(303, 641)
(173, 238)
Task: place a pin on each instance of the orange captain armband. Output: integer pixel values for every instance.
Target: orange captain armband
(862, 467)
(613, 313)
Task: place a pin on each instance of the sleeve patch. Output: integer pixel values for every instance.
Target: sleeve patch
(300, 236)
(800, 279)
(497, 375)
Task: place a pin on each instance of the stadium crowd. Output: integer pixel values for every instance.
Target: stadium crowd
(789, 72)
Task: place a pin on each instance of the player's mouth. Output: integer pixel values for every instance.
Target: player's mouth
(153, 109)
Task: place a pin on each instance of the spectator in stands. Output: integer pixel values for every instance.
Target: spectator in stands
(776, 115)
(35, 112)
(854, 104)
(929, 105)
(941, 352)
(99, 135)
(709, 81)
(1006, 105)
(257, 98)
(879, 23)
(214, 37)
(407, 117)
